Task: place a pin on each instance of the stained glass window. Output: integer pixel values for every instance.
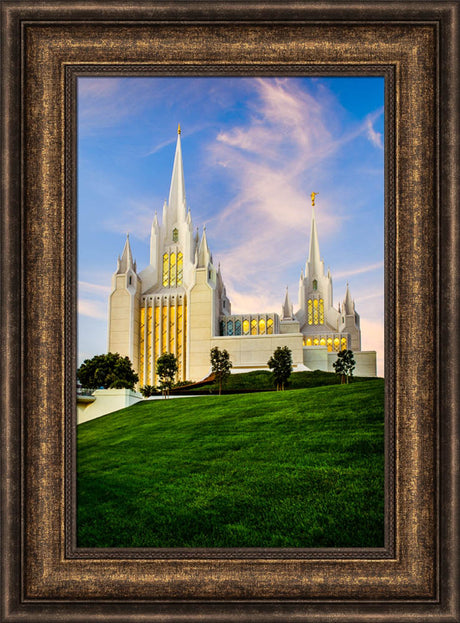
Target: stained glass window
(329, 344)
(308, 341)
(172, 270)
(253, 326)
(316, 341)
(261, 326)
(222, 327)
(175, 235)
(270, 326)
(315, 284)
(246, 326)
(237, 327)
(180, 268)
(165, 270)
(322, 341)
(164, 333)
(310, 311)
(230, 327)
(336, 343)
(343, 342)
(321, 311)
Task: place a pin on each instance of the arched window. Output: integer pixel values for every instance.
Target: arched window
(343, 343)
(316, 342)
(308, 341)
(180, 268)
(222, 327)
(329, 344)
(321, 311)
(172, 270)
(310, 311)
(315, 284)
(238, 327)
(165, 270)
(175, 235)
(253, 326)
(336, 343)
(322, 341)
(229, 327)
(315, 311)
(261, 326)
(245, 327)
(130, 280)
(270, 326)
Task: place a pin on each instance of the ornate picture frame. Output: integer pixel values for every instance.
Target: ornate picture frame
(44, 576)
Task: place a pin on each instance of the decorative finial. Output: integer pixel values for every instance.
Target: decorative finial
(178, 128)
(313, 195)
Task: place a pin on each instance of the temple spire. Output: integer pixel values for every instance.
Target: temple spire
(126, 261)
(204, 255)
(313, 255)
(348, 307)
(176, 201)
(287, 310)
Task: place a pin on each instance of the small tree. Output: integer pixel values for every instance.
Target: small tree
(109, 370)
(166, 370)
(280, 363)
(147, 391)
(220, 365)
(344, 365)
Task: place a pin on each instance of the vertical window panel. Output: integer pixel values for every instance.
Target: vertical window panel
(245, 327)
(180, 268)
(238, 327)
(172, 270)
(229, 327)
(270, 326)
(172, 326)
(164, 332)
(253, 326)
(156, 338)
(141, 347)
(261, 326)
(165, 270)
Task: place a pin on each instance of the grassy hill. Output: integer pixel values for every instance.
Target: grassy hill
(300, 468)
(262, 380)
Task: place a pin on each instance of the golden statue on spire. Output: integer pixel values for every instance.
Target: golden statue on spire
(313, 195)
(178, 128)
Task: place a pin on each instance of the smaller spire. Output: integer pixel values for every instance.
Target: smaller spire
(203, 252)
(126, 261)
(287, 311)
(348, 306)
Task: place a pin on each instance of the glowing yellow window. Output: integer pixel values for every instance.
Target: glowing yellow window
(329, 344)
(164, 333)
(180, 268)
(171, 329)
(165, 270)
(310, 311)
(322, 342)
(246, 326)
(172, 270)
(261, 326)
(253, 326)
(270, 326)
(315, 303)
(343, 342)
(336, 343)
(316, 341)
(321, 311)
(308, 341)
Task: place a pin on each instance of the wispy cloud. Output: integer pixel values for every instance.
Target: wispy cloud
(367, 268)
(93, 308)
(85, 286)
(375, 138)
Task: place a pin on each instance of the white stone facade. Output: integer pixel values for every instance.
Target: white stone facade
(178, 304)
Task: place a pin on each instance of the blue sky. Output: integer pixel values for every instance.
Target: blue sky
(254, 149)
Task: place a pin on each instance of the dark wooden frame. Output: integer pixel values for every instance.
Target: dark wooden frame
(44, 578)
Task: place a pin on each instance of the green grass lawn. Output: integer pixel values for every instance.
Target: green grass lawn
(262, 380)
(301, 468)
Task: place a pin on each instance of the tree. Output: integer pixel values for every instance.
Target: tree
(110, 370)
(220, 365)
(147, 391)
(280, 363)
(166, 370)
(344, 365)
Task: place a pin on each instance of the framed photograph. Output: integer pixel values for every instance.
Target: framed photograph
(273, 101)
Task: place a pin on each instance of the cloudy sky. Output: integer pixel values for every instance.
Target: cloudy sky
(254, 149)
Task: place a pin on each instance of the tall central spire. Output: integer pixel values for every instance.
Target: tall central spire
(313, 255)
(176, 201)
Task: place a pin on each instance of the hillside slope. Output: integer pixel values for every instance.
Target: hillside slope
(301, 468)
